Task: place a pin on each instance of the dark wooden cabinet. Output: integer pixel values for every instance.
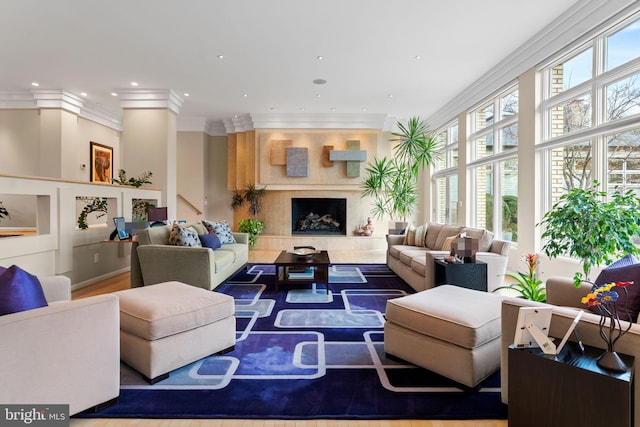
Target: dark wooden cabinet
(568, 390)
(472, 275)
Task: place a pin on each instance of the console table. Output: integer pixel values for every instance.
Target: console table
(568, 390)
(471, 275)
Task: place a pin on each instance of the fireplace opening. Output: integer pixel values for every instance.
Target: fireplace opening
(318, 216)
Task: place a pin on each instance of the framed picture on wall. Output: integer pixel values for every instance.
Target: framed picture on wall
(101, 163)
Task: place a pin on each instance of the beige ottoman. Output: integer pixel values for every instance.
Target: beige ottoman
(168, 325)
(450, 330)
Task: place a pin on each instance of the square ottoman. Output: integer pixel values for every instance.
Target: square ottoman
(449, 330)
(168, 325)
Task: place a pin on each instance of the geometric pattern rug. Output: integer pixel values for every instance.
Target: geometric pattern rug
(303, 353)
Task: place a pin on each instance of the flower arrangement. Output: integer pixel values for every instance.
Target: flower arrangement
(603, 301)
(527, 284)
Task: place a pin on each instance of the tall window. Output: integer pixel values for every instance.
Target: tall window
(445, 177)
(493, 165)
(591, 112)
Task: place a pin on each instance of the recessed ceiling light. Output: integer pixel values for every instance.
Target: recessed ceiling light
(418, 57)
(319, 81)
(134, 83)
(364, 108)
(390, 95)
(318, 95)
(35, 84)
(83, 93)
(187, 94)
(220, 56)
(319, 57)
(333, 108)
(114, 94)
(245, 95)
(302, 109)
(235, 116)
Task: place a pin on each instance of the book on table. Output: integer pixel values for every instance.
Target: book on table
(300, 273)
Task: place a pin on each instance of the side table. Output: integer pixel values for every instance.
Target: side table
(568, 390)
(471, 275)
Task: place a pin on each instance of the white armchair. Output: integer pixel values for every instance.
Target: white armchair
(66, 353)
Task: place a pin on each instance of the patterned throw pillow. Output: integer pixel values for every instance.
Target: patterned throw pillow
(184, 236)
(421, 232)
(410, 236)
(448, 242)
(222, 229)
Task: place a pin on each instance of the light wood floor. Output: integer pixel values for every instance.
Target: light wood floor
(121, 281)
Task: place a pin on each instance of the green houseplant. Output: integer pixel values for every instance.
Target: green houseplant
(3, 211)
(252, 226)
(135, 182)
(393, 183)
(253, 197)
(93, 204)
(527, 284)
(583, 224)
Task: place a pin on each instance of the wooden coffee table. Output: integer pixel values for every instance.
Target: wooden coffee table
(310, 269)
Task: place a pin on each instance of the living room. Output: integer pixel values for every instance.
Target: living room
(197, 161)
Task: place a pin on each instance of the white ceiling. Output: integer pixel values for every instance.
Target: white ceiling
(270, 50)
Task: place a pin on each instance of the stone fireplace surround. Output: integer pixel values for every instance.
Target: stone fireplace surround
(276, 213)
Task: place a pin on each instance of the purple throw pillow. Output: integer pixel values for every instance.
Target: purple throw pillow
(19, 291)
(626, 273)
(210, 240)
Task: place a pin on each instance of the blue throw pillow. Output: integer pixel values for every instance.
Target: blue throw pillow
(622, 262)
(210, 240)
(19, 291)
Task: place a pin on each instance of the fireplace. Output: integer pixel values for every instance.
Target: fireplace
(322, 216)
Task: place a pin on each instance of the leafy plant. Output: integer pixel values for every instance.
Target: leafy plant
(93, 204)
(139, 210)
(3, 211)
(252, 226)
(393, 184)
(527, 284)
(585, 225)
(135, 182)
(251, 195)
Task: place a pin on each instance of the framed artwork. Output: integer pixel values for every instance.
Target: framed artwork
(101, 163)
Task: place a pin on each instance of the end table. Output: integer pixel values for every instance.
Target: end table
(471, 275)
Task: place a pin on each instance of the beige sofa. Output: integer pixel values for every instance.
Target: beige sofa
(66, 353)
(413, 260)
(565, 300)
(154, 260)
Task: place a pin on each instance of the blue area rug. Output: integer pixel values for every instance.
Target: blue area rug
(304, 354)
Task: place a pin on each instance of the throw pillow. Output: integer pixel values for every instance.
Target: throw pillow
(19, 291)
(484, 237)
(622, 262)
(448, 242)
(210, 240)
(410, 238)
(432, 234)
(184, 236)
(222, 229)
(446, 231)
(626, 273)
(421, 232)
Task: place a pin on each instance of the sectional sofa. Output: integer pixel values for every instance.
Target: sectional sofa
(412, 255)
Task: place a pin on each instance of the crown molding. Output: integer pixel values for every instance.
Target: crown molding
(572, 25)
(62, 99)
(150, 98)
(319, 121)
(239, 124)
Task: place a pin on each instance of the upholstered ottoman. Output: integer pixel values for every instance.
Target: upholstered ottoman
(171, 324)
(449, 330)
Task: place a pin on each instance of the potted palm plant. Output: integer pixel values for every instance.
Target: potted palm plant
(253, 197)
(393, 183)
(584, 224)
